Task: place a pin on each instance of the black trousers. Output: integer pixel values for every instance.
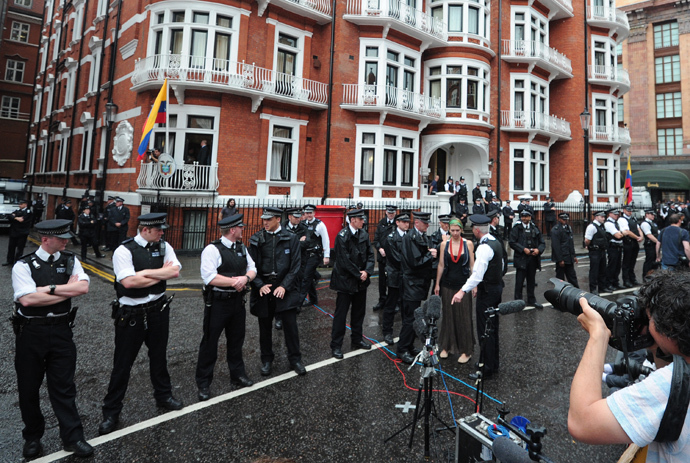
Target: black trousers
(488, 296)
(406, 341)
(548, 225)
(15, 248)
(649, 259)
(290, 332)
(613, 267)
(227, 315)
(308, 285)
(389, 310)
(568, 271)
(47, 350)
(121, 235)
(506, 228)
(112, 239)
(86, 241)
(343, 303)
(383, 281)
(528, 273)
(128, 341)
(597, 269)
(631, 249)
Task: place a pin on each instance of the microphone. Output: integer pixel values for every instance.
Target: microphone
(433, 309)
(507, 308)
(419, 324)
(508, 451)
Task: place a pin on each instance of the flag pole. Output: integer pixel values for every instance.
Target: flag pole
(167, 118)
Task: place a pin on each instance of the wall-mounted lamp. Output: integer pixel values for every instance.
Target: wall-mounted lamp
(451, 150)
(491, 163)
(110, 113)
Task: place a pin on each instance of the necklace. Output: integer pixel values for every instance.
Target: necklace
(455, 259)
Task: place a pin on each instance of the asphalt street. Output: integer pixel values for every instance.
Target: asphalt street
(340, 411)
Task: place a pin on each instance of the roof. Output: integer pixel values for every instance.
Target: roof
(661, 179)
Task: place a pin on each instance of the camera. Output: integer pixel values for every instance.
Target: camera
(627, 321)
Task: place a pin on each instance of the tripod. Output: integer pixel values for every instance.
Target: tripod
(479, 386)
(426, 387)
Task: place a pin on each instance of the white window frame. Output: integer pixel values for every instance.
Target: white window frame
(62, 152)
(10, 107)
(529, 80)
(44, 160)
(484, 12)
(610, 66)
(384, 46)
(181, 113)
(86, 143)
(677, 139)
(611, 108)
(19, 27)
(612, 176)
(24, 3)
(483, 87)
(528, 162)
(13, 67)
(78, 20)
(673, 112)
(379, 147)
(32, 157)
(102, 9)
(295, 125)
(300, 35)
(529, 15)
(49, 99)
(95, 60)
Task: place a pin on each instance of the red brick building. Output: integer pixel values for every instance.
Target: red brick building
(488, 91)
(21, 37)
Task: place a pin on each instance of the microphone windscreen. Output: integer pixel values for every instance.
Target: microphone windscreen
(419, 313)
(419, 327)
(433, 310)
(511, 307)
(508, 451)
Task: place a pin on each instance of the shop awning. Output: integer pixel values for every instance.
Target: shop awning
(661, 179)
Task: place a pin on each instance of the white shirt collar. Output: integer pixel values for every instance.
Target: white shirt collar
(352, 230)
(400, 232)
(226, 242)
(276, 231)
(44, 255)
(140, 240)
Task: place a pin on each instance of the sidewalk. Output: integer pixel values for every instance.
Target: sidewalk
(190, 275)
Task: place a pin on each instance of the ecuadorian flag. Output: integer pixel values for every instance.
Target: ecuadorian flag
(628, 183)
(156, 116)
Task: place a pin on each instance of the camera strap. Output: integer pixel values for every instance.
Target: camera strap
(678, 400)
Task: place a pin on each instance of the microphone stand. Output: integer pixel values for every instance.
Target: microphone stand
(479, 385)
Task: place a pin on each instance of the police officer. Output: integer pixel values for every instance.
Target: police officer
(417, 260)
(563, 250)
(318, 251)
(383, 229)
(549, 215)
(650, 230)
(118, 219)
(276, 253)
(142, 266)
(494, 205)
(354, 264)
(528, 243)
(44, 283)
(508, 218)
(632, 237)
(486, 282)
(461, 189)
(294, 225)
(88, 224)
(596, 243)
(462, 211)
(21, 221)
(476, 193)
(489, 194)
(38, 207)
(110, 237)
(226, 270)
(494, 218)
(478, 207)
(525, 205)
(393, 247)
(615, 249)
(65, 212)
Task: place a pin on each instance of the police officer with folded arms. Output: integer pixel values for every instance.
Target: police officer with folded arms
(632, 237)
(383, 229)
(142, 266)
(486, 283)
(276, 254)
(88, 224)
(563, 250)
(226, 270)
(615, 249)
(596, 243)
(354, 264)
(528, 243)
(393, 246)
(650, 230)
(417, 258)
(44, 284)
(318, 252)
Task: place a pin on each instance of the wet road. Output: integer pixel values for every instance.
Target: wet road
(340, 411)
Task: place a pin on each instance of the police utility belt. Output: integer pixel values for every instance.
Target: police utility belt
(19, 321)
(618, 244)
(269, 278)
(130, 314)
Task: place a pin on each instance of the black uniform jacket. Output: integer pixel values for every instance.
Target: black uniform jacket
(382, 231)
(352, 255)
(518, 241)
(287, 264)
(87, 225)
(116, 215)
(417, 264)
(393, 247)
(23, 228)
(562, 244)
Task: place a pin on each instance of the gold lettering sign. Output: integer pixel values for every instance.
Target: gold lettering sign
(652, 185)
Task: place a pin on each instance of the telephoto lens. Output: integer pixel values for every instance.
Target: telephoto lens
(566, 298)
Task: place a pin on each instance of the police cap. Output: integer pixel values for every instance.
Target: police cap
(564, 216)
(234, 220)
(479, 219)
(309, 208)
(445, 218)
(356, 214)
(153, 220)
(270, 212)
(55, 227)
(404, 217)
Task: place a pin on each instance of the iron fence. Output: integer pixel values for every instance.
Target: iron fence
(193, 222)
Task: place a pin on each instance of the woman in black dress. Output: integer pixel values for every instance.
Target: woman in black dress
(454, 267)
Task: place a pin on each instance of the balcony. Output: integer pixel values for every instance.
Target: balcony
(558, 9)
(609, 135)
(390, 100)
(552, 127)
(217, 75)
(187, 178)
(538, 54)
(617, 79)
(399, 16)
(609, 18)
(318, 10)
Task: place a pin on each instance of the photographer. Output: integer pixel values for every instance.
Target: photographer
(634, 414)
(674, 245)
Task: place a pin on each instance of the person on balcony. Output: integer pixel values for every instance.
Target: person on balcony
(204, 157)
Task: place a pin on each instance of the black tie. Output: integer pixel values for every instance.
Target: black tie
(232, 247)
(51, 259)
